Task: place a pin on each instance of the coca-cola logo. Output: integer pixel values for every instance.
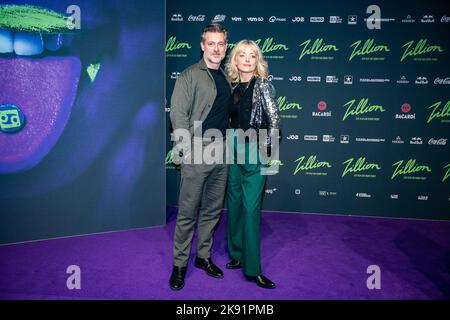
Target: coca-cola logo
(200, 17)
(442, 81)
(322, 105)
(437, 142)
(406, 107)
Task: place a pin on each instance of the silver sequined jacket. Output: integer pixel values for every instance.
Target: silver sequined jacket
(263, 101)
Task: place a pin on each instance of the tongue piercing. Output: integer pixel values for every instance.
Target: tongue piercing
(12, 119)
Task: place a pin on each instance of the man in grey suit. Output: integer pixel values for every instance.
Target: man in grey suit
(202, 93)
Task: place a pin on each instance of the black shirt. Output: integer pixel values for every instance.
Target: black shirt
(218, 115)
(241, 105)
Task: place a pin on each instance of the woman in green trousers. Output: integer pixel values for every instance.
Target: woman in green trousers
(252, 108)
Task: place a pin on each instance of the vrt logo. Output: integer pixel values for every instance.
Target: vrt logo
(74, 280)
(374, 280)
(374, 21)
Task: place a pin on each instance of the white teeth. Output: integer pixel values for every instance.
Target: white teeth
(6, 41)
(27, 44)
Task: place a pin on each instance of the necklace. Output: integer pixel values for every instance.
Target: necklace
(246, 85)
(240, 91)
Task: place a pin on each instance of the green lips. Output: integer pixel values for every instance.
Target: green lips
(28, 18)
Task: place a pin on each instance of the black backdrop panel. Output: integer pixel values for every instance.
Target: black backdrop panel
(365, 111)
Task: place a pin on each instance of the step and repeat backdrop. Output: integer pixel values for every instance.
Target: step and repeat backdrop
(82, 135)
(363, 94)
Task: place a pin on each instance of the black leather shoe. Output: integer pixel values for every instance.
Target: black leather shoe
(262, 281)
(177, 278)
(234, 264)
(210, 268)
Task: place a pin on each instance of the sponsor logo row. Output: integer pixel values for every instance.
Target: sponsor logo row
(351, 19)
(347, 139)
(357, 194)
(348, 79)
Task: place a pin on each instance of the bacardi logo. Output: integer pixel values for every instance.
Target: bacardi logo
(405, 108)
(322, 106)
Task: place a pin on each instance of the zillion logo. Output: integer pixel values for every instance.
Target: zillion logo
(369, 47)
(358, 166)
(439, 111)
(408, 168)
(420, 48)
(447, 173)
(310, 164)
(362, 108)
(269, 45)
(284, 105)
(317, 47)
(173, 44)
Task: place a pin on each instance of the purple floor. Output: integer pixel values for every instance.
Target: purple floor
(308, 256)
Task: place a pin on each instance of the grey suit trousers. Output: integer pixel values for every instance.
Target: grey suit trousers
(202, 189)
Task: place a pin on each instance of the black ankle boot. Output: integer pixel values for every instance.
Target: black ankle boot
(176, 281)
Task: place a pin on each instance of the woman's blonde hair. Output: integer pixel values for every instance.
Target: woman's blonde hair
(261, 69)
